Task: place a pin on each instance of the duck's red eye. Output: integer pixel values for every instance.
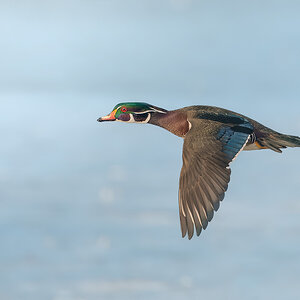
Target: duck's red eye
(123, 109)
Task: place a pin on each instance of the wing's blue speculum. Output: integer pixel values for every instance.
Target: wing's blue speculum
(233, 138)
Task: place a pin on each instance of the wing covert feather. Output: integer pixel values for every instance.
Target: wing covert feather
(208, 149)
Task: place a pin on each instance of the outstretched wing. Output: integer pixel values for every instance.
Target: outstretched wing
(208, 149)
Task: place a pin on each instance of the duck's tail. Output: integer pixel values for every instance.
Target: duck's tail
(276, 141)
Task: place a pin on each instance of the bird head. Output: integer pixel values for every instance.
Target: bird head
(133, 112)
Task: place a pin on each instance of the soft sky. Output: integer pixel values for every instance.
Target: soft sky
(88, 210)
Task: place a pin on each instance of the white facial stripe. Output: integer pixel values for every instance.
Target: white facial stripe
(148, 111)
(154, 109)
(147, 120)
(143, 112)
(131, 120)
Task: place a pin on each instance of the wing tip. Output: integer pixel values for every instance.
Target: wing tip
(190, 234)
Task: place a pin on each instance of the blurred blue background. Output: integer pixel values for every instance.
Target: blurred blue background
(88, 210)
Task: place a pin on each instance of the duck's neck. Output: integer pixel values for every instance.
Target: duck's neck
(174, 121)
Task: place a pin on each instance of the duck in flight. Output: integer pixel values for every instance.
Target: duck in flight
(213, 138)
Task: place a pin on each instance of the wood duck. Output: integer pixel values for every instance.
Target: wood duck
(213, 138)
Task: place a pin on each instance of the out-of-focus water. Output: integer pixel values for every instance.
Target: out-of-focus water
(88, 210)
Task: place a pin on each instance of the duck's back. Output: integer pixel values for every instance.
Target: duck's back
(262, 138)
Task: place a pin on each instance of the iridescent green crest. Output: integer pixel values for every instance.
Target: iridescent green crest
(131, 107)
